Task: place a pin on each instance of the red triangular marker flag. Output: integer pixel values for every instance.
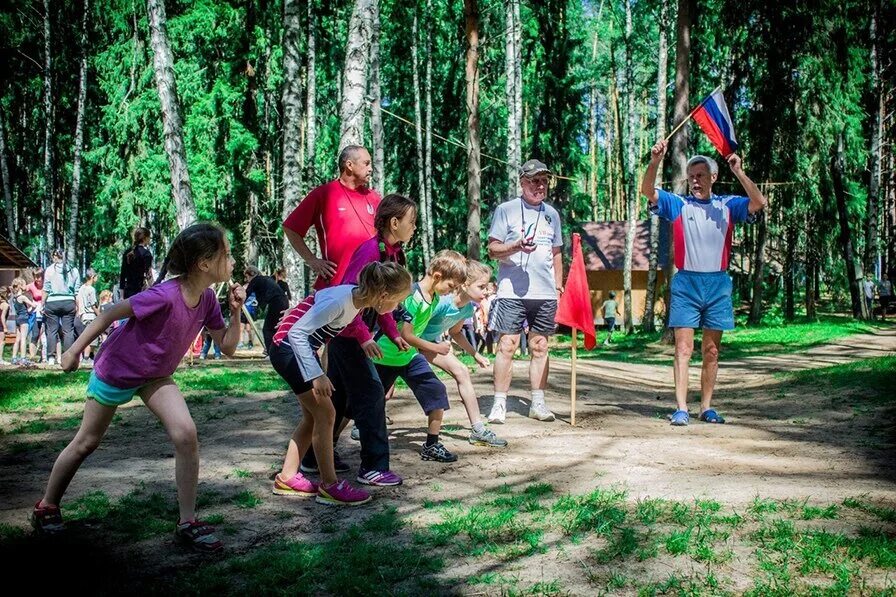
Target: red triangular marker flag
(574, 309)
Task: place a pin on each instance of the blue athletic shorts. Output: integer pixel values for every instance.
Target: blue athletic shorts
(429, 391)
(701, 300)
(109, 395)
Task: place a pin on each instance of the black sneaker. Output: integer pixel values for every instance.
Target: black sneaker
(338, 464)
(437, 452)
(311, 465)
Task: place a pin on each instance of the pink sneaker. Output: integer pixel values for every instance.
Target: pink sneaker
(341, 493)
(298, 486)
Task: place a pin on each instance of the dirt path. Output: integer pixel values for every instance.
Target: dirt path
(780, 442)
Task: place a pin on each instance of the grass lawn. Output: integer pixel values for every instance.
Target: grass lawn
(739, 343)
(45, 390)
(644, 547)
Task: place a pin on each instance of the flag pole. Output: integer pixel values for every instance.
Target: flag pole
(572, 388)
(689, 116)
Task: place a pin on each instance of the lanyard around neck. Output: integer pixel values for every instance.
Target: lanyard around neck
(523, 220)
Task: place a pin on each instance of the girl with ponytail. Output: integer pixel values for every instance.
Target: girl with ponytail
(136, 265)
(293, 353)
(138, 359)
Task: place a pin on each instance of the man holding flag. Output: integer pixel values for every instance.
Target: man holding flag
(702, 225)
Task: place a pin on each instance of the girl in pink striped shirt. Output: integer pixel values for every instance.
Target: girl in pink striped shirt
(293, 353)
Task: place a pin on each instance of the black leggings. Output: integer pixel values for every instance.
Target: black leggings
(275, 311)
(59, 314)
(359, 394)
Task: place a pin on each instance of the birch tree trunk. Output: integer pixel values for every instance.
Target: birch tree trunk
(418, 117)
(522, 130)
(812, 252)
(655, 223)
(618, 158)
(592, 133)
(513, 118)
(631, 200)
(376, 113)
(890, 201)
(49, 207)
(7, 188)
(761, 226)
(354, 74)
(471, 18)
(873, 206)
(71, 237)
(854, 277)
(291, 107)
(249, 117)
(609, 132)
(311, 99)
(427, 140)
(271, 128)
(172, 120)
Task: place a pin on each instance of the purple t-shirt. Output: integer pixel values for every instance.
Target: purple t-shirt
(152, 342)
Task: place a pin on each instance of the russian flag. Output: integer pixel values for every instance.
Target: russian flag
(713, 117)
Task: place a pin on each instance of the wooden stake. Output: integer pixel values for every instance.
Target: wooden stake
(572, 391)
(251, 322)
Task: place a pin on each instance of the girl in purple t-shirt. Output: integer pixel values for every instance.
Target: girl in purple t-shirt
(139, 358)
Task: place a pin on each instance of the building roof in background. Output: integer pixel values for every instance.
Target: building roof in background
(13, 258)
(605, 245)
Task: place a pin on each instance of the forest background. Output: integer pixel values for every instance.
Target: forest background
(117, 113)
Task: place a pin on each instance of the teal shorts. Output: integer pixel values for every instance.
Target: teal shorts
(109, 395)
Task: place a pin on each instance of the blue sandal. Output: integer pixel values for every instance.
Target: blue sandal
(679, 418)
(711, 416)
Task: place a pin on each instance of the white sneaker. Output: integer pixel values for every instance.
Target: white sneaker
(51, 361)
(539, 410)
(499, 411)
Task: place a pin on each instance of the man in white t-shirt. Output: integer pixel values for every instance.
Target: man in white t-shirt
(525, 237)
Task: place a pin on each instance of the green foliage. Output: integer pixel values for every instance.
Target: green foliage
(796, 76)
(246, 500)
(744, 341)
(358, 561)
(48, 390)
(137, 515)
(870, 380)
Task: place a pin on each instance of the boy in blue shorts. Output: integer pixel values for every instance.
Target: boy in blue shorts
(449, 316)
(702, 228)
(447, 271)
